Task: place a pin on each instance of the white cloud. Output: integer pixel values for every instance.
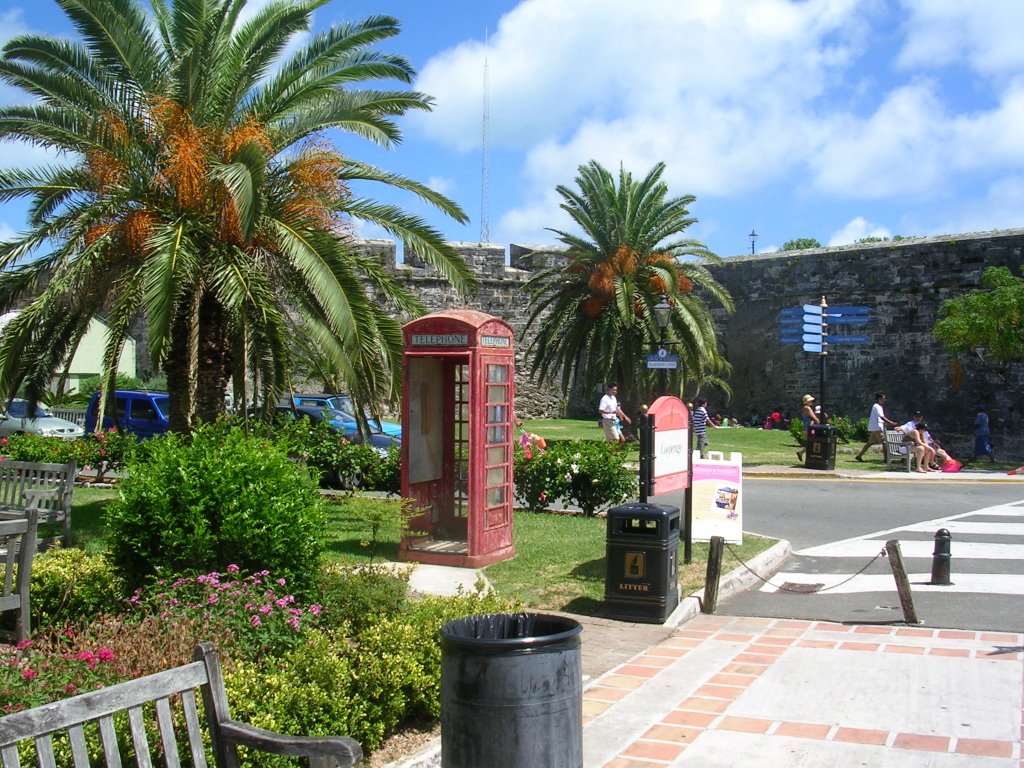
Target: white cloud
(6, 232)
(442, 184)
(20, 154)
(985, 36)
(857, 229)
(1001, 207)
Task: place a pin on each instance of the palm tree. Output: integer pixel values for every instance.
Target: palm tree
(595, 315)
(200, 190)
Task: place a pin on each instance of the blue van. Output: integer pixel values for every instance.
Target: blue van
(144, 414)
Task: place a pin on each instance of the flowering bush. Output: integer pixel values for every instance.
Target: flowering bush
(255, 609)
(583, 473)
(30, 677)
(102, 451)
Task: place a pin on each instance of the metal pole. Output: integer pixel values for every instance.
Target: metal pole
(644, 430)
(821, 358)
(663, 373)
(688, 503)
(942, 558)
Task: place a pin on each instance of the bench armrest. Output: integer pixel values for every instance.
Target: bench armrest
(344, 750)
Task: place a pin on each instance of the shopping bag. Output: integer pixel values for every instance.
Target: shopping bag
(951, 465)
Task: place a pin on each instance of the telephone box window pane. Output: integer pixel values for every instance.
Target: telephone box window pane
(497, 374)
(495, 496)
(497, 414)
(496, 435)
(496, 476)
(497, 393)
(496, 455)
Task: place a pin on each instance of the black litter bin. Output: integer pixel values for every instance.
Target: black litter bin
(642, 562)
(511, 692)
(821, 447)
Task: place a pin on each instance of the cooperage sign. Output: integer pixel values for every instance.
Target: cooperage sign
(671, 444)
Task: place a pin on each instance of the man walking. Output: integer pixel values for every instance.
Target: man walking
(700, 424)
(877, 422)
(612, 416)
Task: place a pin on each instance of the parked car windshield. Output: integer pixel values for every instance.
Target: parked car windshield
(19, 410)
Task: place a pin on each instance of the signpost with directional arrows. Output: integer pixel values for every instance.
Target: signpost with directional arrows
(809, 326)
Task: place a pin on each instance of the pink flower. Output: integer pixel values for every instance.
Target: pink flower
(282, 582)
(232, 568)
(22, 645)
(211, 599)
(315, 610)
(29, 674)
(255, 621)
(105, 654)
(266, 609)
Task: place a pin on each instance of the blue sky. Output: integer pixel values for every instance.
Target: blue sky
(832, 119)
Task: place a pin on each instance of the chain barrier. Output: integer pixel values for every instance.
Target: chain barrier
(758, 576)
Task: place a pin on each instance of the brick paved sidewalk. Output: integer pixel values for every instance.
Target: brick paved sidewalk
(771, 693)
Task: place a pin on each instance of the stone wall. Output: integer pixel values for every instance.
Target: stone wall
(903, 284)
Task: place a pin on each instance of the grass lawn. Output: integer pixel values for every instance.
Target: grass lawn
(759, 447)
(559, 562)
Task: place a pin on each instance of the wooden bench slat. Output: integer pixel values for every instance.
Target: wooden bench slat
(47, 487)
(9, 756)
(44, 752)
(137, 726)
(108, 737)
(167, 737)
(79, 749)
(195, 734)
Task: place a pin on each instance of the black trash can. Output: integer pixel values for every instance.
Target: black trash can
(642, 562)
(511, 692)
(821, 447)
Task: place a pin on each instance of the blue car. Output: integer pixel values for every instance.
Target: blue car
(144, 414)
(344, 409)
(380, 441)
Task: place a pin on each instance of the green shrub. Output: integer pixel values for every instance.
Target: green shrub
(361, 596)
(384, 474)
(68, 585)
(797, 432)
(218, 497)
(363, 687)
(104, 451)
(582, 472)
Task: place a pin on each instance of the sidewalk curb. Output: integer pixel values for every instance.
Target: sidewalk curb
(739, 579)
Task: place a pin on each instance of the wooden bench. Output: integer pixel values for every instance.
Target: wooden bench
(17, 548)
(47, 488)
(159, 696)
(898, 448)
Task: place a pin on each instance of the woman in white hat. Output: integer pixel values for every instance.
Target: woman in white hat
(808, 416)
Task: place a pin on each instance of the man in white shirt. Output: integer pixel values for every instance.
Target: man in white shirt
(612, 416)
(877, 421)
(916, 432)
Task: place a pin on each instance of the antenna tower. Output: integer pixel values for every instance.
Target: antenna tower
(485, 172)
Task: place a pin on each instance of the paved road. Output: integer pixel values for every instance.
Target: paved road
(837, 527)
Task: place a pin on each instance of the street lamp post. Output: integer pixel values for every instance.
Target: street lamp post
(753, 239)
(662, 316)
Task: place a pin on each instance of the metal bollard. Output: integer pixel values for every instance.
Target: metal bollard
(941, 558)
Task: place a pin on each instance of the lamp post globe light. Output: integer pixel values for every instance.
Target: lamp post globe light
(662, 316)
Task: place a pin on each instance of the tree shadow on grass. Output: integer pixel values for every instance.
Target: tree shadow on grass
(589, 576)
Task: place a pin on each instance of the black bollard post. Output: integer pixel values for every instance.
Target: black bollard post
(941, 558)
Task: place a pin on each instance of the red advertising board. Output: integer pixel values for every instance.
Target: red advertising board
(671, 444)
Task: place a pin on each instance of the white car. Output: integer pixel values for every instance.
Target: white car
(16, 420)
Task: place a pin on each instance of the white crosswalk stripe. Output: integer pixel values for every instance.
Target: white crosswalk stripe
(993, 534)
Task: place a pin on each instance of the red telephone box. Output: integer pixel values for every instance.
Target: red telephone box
(457, 438)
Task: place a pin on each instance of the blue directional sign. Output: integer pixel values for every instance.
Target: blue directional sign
(792, 312)
(849, 310)
(848, 339)
(812, 328)
(813, 348)
(848, 319)
(813, 309)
